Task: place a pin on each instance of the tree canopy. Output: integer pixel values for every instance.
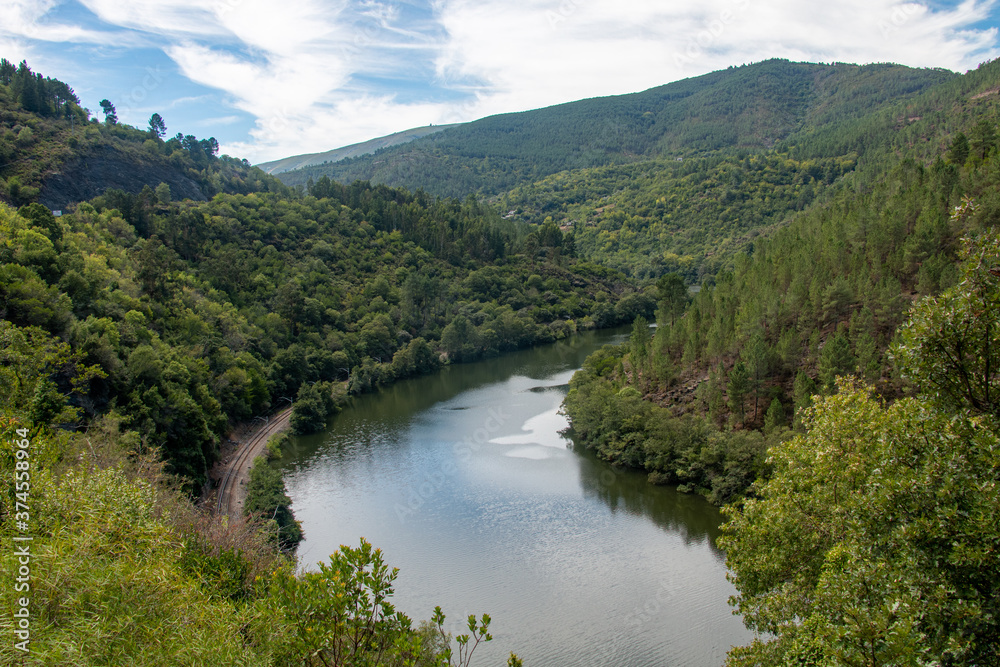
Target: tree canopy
(874, 542)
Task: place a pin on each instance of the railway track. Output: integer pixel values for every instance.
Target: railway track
(229, 490)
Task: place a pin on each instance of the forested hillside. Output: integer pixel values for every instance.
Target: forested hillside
(833, 377)
(681, 177)
(54, 152)
(718, 400)
(194, 314)
(666, 216)
(751, 107)
(823, 294)
(693, 216)
(138, 326)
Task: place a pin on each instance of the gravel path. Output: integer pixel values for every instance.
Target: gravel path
(236, 473)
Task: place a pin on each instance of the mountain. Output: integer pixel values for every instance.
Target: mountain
(752, 107)
(354, 150)
(707, 166)
(661, 215)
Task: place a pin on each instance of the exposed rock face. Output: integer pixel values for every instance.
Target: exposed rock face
(106, 167)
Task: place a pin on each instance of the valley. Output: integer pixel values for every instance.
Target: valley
(743, 325)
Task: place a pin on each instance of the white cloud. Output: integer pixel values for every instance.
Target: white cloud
(345, 121)
(535, 52)
(13, 49)
(309, 70)
(219, 120)
(160, 17)
(521, 54)
(25, 19)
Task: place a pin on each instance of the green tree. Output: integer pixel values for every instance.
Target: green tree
(28, 90)
(803, 391)
(29, 359)
(41, 217)
(755, 356)
(7, 71)
(157, 127)
(673, 297)
(460, 339)
(959, 150)
(740, 383)
(639, 341)
(869, 358)
(837, 300)
(267, 499)
(982, 138)
(312, 408)
(950, 347)
(874, 542)
(342, 615)
(163, 193)
(835, 359)
(775, 416)
(110, 115)
(712, 392)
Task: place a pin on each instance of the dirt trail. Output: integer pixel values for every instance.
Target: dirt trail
(235, 471)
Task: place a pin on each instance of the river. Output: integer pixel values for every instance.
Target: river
(465, 483)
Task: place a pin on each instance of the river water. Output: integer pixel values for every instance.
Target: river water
(464, 482)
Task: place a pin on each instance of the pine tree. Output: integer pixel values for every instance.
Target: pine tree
(835, 359)
(7, 71)
(802, 392)
(673, 295)
(775, 416)
(156, 126)
(110, 115)
(738, 388)
(958, 153)
(755, 356)
(29, 89)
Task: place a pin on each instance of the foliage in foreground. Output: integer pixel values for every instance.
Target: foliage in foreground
(342, 616)
(125, 571)
(875, 542)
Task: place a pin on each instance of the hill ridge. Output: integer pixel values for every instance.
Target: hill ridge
(751, 107)
(294, 162)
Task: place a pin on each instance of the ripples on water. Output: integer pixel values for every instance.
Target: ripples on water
(464, 481)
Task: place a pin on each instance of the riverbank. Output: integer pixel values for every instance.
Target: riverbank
(462, 479)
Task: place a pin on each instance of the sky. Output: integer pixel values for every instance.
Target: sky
(271, 79)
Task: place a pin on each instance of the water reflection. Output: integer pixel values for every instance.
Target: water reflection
(629, 491)
(519, 526)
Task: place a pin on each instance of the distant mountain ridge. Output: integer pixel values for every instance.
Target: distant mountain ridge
(752, 107)
(353, 150)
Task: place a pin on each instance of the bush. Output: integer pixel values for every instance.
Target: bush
(274, 445)
(268, 500)
(313, 406)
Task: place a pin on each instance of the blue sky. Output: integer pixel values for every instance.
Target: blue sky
(270, 79)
